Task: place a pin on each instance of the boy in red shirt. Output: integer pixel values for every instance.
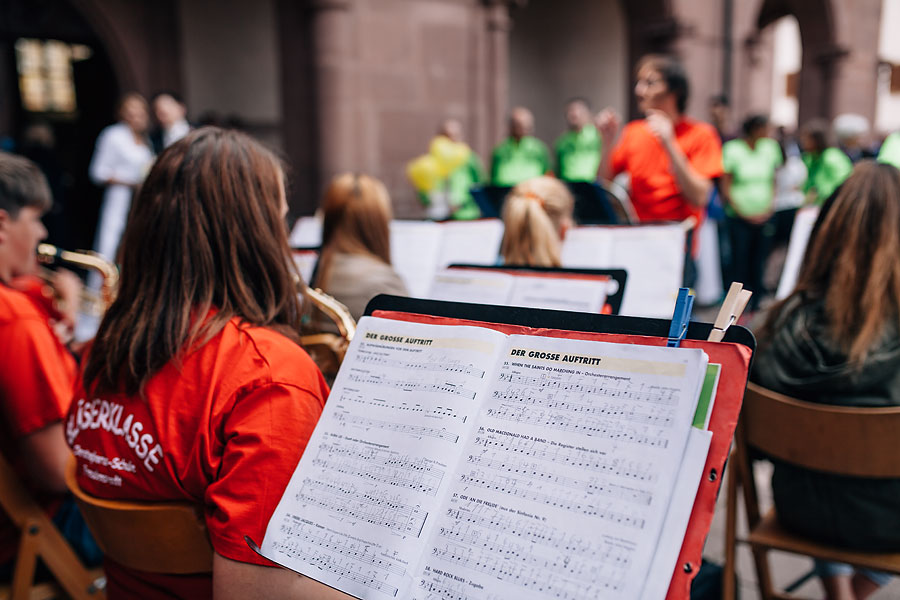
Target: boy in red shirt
(37, 373)
(671, 158)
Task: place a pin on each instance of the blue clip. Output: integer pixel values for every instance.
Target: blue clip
(681, 317)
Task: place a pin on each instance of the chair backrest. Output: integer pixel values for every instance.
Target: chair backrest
(157, 537)
(40, 539)
(859, 442)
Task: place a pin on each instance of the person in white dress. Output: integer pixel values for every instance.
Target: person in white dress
(121, 159)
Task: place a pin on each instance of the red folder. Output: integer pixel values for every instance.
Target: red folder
(735, 361)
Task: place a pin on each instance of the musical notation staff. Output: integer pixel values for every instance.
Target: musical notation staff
(573, 457)
(617, 410)
(525, 576)
(339, 567)
(584, 503)
(355, 550)
(345, 500)
(444, 387)
(451, 366)
(534, 532)
(383, 466)
(593, 426)
(594, 485)
(413, 430)
(653, 394)
(439, 412)
(523, 553)
(449, 591)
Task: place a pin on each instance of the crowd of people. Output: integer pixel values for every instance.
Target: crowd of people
(200, 349)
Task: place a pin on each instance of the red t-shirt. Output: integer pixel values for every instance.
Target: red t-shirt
(654, 190)
(224, 429)
(37, 375)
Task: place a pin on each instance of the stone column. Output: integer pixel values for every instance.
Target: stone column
(499, 25)
(336, 88)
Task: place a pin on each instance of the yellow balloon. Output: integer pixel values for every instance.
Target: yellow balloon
(450, 155)
(424, 173)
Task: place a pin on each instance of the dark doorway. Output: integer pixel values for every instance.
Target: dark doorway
(59, 136)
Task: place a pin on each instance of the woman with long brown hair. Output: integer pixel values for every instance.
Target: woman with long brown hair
(536, 215)
(836, 340)
(195, 388)
(355, 263)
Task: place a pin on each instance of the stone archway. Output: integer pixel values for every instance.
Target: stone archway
(821, 52)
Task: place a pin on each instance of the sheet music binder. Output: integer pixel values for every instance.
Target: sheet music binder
(734, 353)
(620, 276)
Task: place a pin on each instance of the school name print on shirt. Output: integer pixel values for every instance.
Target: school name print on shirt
(107, 415)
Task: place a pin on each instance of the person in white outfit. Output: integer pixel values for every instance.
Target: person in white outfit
(121, 159)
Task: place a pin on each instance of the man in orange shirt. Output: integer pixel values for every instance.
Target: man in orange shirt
(37, 373)
(671, 158)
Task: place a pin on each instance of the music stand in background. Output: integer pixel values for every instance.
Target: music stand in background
(602, 203)
(614, 300)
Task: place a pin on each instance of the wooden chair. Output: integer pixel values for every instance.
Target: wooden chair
(41, 539)
(157, 537)
(804, 434)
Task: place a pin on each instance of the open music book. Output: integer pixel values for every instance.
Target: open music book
(456, 461)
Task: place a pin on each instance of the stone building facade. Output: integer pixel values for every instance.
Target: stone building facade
(361, 85)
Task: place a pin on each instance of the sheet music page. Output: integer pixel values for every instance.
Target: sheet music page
(653, 256)
(415, 251)
(306, 263)
(306, 233)
(563, 490)
(470, 242)
(800, 232)
(588, 247)
(360, 505)
(470, 285)
(559, 293)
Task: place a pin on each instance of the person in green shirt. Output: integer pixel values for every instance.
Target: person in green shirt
(890, 150)
(520, 156)
(748, 190)
(827, 167)
(578, 149)
(464, 178)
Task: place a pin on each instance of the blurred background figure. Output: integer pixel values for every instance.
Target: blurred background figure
(462, 179)
(355, 261)
(834, 340)
(536, 215)
(852, 134)
(120, 162)
(720, 117)
(671, 158)
(170, 113)
(826, 166)
(520, 156)
(748, 191)
(578, 148)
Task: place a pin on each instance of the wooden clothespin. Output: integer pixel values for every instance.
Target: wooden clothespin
(681, 317)
(735, 302)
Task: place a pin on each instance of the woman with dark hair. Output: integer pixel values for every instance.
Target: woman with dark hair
(195, 388)
(748, 190)
(826, 166)
(355, 264)
(835, 340)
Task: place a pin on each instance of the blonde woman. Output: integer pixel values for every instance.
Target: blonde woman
(536, 215)
(355, 263)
